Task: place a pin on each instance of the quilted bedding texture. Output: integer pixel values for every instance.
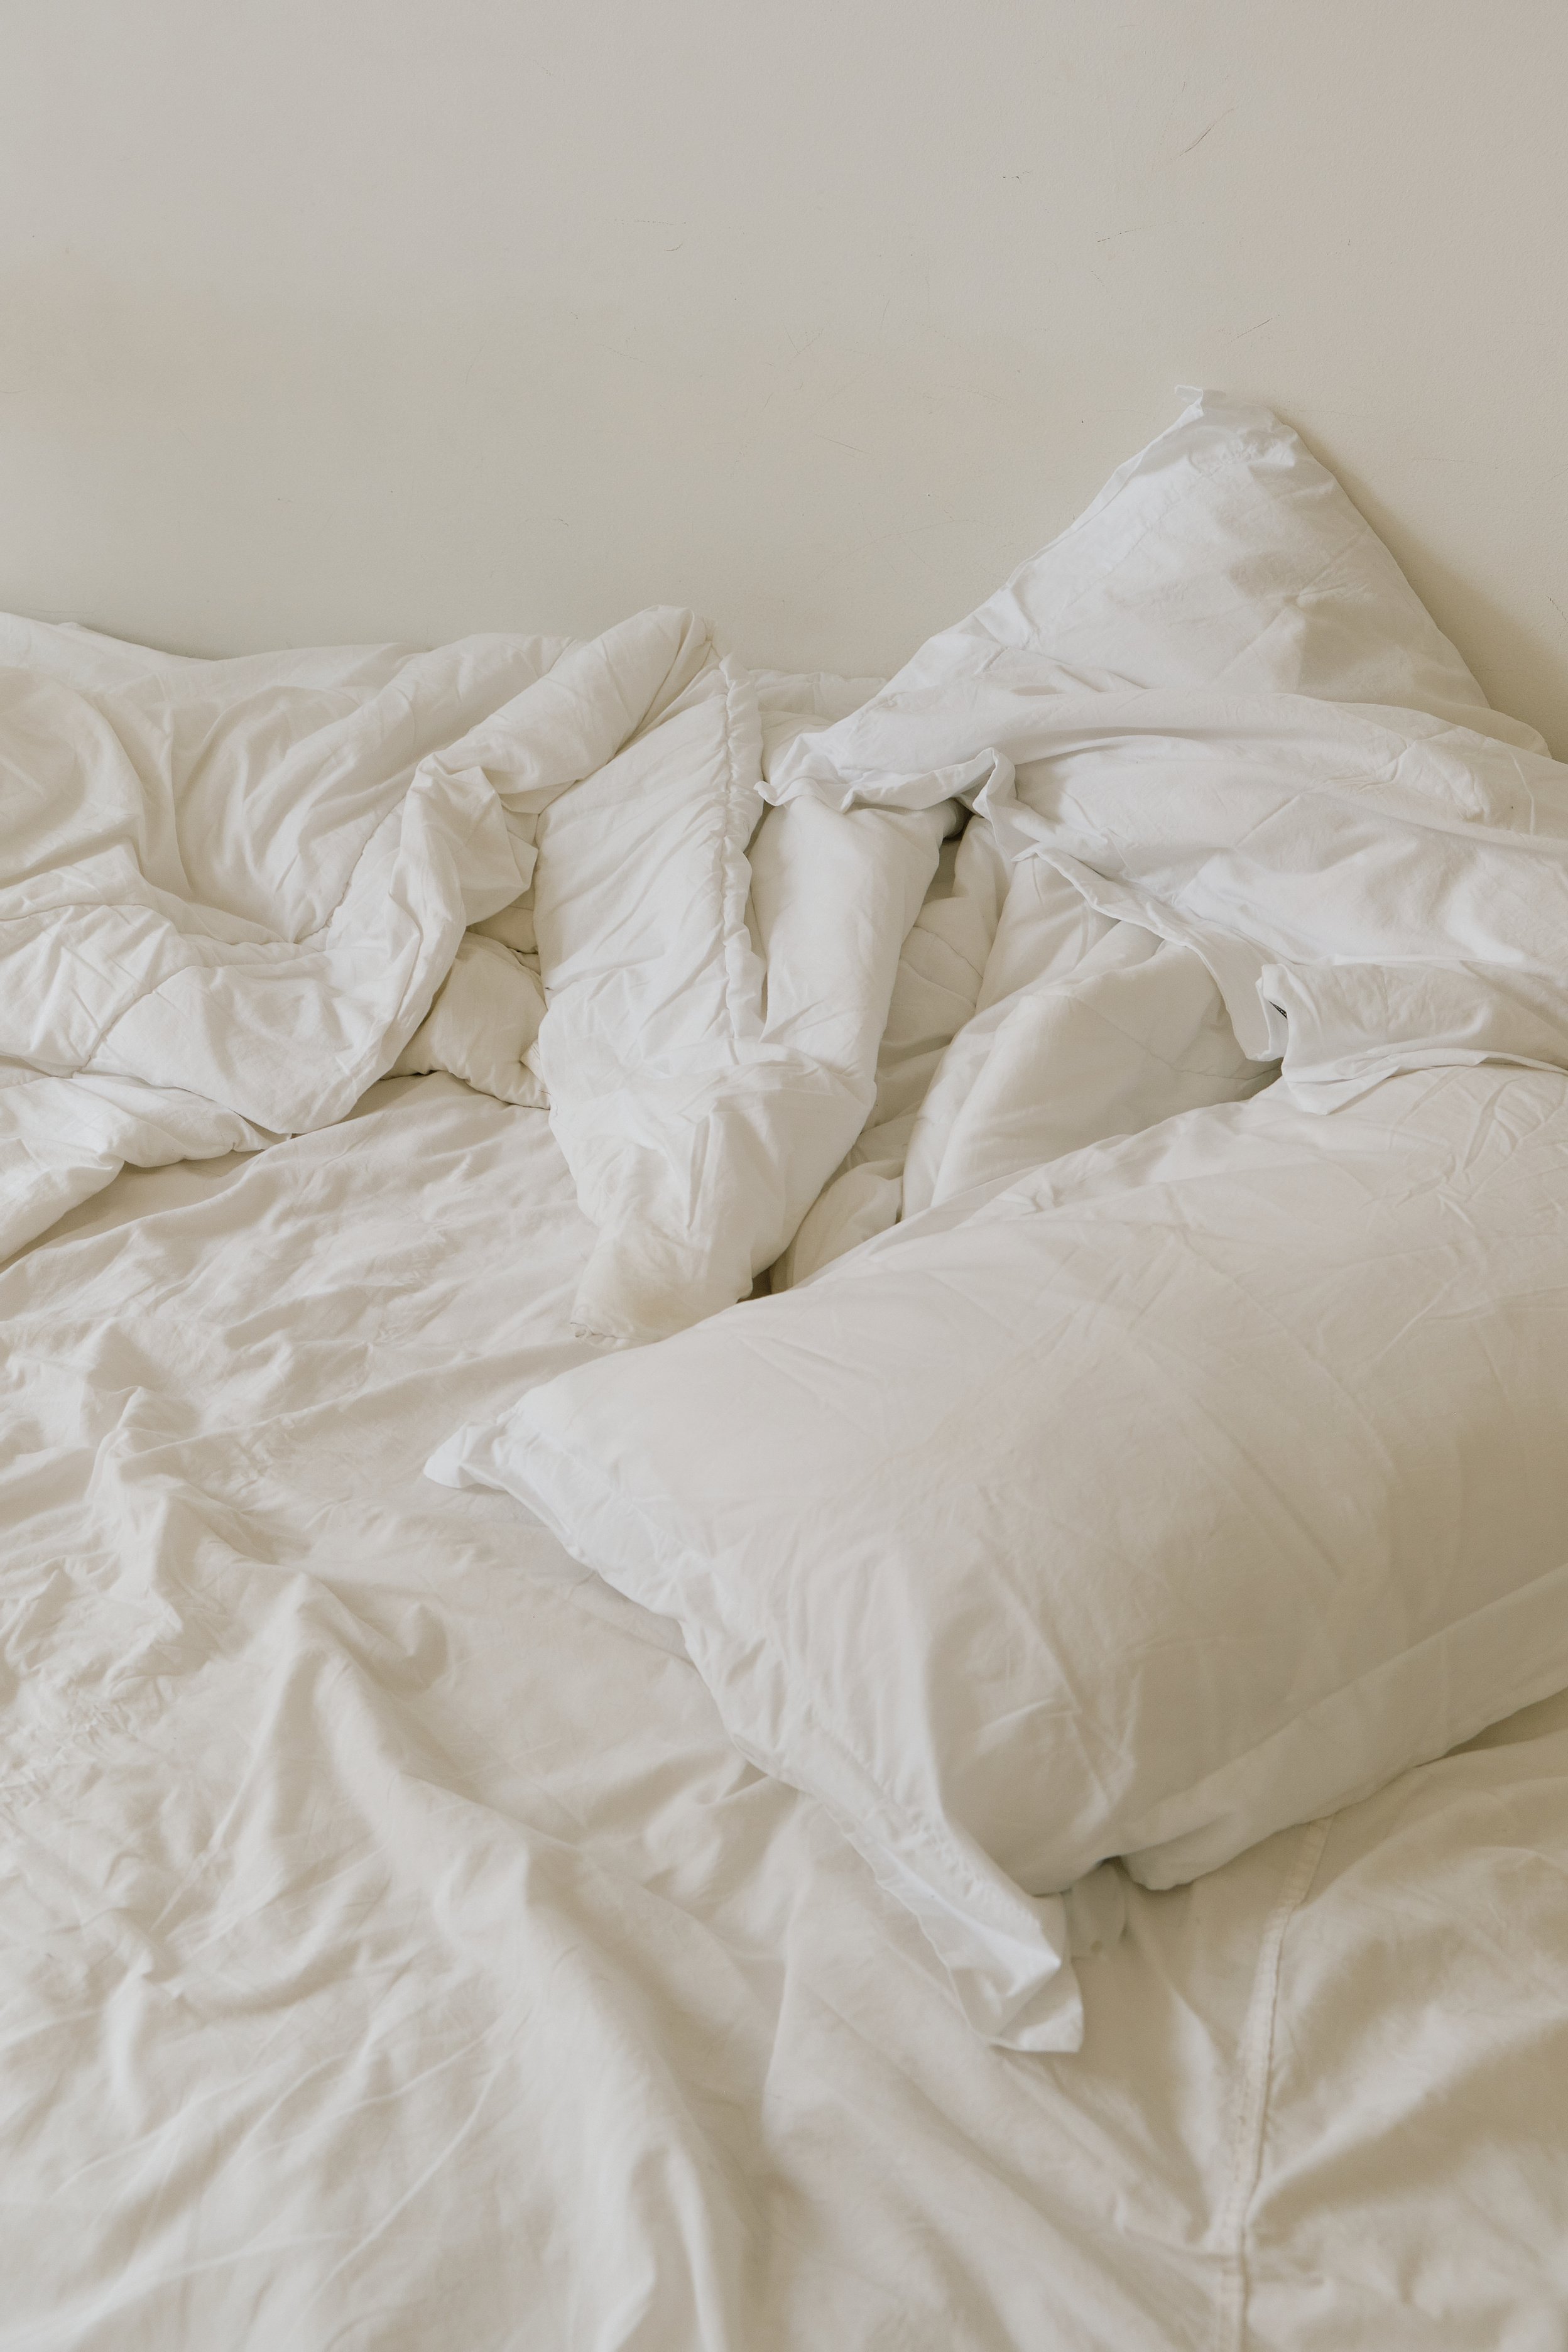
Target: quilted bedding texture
(233, 893)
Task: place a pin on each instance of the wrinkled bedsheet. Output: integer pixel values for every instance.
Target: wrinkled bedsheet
(397, 1953)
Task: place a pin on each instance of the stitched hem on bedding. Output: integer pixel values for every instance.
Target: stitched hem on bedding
(1253, 2071)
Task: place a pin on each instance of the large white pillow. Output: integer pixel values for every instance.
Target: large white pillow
(1223, 555)
(1216, 708)
(1195, 1486)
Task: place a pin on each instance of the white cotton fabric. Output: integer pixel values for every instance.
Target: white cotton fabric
(394, 1941)
(484, 1019)
(1190, 1487)
(1039, 1452)
(233, 893)
(701, 1097)
(1218, 709)
(1087, 1028)
(940, 972)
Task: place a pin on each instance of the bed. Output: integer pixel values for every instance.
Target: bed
(400, 1948)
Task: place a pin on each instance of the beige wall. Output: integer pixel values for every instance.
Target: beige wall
(326, 319)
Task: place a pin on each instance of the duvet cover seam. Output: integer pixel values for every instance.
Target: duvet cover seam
(1254, 2082)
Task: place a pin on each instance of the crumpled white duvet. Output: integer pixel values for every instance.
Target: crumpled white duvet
(233, 893)
(397, 1950)
(1279, 826)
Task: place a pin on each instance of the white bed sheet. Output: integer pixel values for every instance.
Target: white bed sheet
(397, 1955)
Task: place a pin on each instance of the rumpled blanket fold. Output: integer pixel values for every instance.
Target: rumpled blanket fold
(234, 893)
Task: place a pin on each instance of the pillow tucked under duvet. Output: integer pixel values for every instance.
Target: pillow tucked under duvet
(1195, 1486)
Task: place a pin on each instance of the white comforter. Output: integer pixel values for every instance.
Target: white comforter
(230, 892)
(397, 1951)
(234, 893)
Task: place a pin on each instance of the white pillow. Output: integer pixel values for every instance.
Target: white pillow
(1196, 1486)
(1216, 708)
(1221, 556)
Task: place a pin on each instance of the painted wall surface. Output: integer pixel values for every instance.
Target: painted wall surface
(404, 318)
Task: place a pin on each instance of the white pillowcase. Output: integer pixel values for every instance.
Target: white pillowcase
(1215, 707)
(1221, 556)
(1193, 1486)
